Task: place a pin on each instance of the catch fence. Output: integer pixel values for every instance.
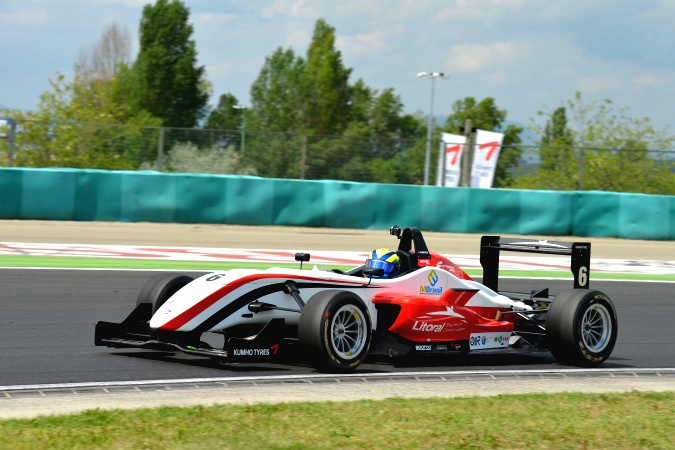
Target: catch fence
(29, 143)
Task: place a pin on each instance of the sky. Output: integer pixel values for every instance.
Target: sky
(529, 55)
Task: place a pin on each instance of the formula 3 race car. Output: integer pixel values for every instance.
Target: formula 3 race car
(337, 318)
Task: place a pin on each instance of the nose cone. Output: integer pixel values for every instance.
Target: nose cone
(163, 315)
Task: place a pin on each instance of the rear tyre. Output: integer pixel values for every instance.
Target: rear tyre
(581, 327)
(336, 330)
(160, 288)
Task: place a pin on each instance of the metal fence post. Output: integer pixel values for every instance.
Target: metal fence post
(465, 173)
(10, 141)
(243, 141)
(582, 163)
(160, 150)
(303, 155)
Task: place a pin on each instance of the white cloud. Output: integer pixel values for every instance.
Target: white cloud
(484, 11)
(28, 17)
(210, 19)
(599, 84)
(219, 69)
(297, 37)
(364, 44)
(288, 9)
(474, 57)
(497, 77)
(646, 80)
(125, 3)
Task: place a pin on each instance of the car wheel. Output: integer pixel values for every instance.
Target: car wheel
(581, 327)
(335, 328)
(160, 288)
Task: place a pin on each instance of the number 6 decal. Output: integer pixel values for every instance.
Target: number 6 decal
(215, 277)
(583, 275)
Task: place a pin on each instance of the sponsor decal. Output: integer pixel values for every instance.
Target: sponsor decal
(489, 340)
(477, 341)
(441, 347)
(251, 352)
(437, 328)
(422, 347)
(431, 288)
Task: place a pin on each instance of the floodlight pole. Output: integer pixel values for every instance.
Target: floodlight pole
(427, 156)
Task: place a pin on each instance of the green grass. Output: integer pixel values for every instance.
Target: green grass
(599, 421)
(124, 263)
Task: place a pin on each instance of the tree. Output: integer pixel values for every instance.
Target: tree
(226, 116)
(103, 60)
(307, 95)
(312, 96)
(167, 82)
(276, 95)
(556, 141)
(77, 125)
(274, 155)
(102, 78)
(325, 84)
(361, 102)
(374, 143)
(76, 122)
(485, 115)
(601, 149)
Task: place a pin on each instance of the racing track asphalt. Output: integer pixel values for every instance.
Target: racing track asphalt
(48, 317)
(47, 320)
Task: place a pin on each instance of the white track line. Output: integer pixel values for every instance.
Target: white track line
(281, 378)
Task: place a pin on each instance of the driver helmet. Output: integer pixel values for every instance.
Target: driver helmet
(383, 258)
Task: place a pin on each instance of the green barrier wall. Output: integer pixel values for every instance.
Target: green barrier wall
(93, 195)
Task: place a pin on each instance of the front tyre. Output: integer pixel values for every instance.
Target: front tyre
(336, 330)
(581, 327)
(160, 288)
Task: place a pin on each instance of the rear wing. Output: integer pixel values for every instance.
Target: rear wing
(579, 252)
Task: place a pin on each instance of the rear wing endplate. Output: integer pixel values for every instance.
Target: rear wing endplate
(579, 252)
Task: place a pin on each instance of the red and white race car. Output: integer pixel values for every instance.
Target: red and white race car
(337, 318)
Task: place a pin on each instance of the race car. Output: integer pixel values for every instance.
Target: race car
(335, 318)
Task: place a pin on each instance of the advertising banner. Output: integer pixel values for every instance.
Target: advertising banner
(451, 151)
(486, 152)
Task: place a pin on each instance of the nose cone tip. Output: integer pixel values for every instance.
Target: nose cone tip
(156, 323)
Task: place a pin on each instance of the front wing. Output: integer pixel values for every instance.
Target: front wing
(269, 345)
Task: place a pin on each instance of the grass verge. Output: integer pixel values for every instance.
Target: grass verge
(616, 421)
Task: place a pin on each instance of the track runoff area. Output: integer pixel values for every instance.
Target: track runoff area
(73, 256)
